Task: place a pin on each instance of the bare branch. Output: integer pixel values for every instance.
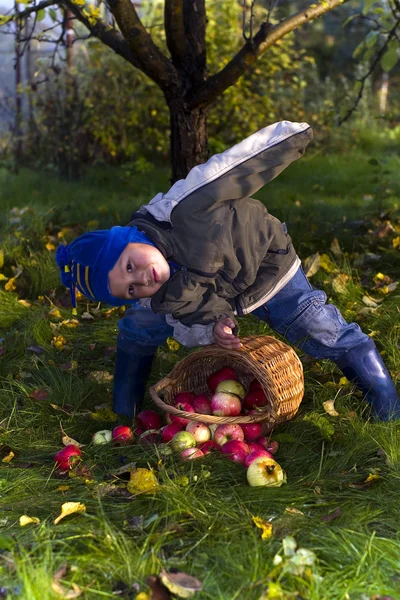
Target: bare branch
(266, 37)
(392, 34)
(148, 56)
(175, 30)
(35, 9)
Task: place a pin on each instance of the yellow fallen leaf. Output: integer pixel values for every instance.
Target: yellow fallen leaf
(9, 457)
(142, 481)
(70, 508)
(55, 313)
(1, 259)
(58, 342)
(372, 477)
(172, 344)
(143, 596)
(104, 414)
(3, 277)
(67, 441)
(329, 408)
(339, 283)
(101, 376)
(293, 511)
(10, 285)
(25, 520)
(344, 381)
(24, 303)
(379, 277)
(62, 488)
(70, 323)
(327, 264)
(395, 242)
(50, 246)
(265, 526)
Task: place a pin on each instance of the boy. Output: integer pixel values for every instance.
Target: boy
(193, 259)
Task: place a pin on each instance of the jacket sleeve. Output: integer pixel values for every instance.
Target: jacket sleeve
(240, 171)
(194, 321)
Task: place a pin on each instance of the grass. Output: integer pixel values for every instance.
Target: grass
(200, 520)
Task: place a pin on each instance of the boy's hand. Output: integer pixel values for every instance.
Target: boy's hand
(223, 334)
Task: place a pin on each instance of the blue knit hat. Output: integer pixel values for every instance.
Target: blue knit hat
(86, 262)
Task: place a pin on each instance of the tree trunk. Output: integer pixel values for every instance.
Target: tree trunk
(188, 140)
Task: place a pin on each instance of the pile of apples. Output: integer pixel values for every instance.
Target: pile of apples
(242, 444)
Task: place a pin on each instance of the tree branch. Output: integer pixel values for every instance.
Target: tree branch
(266, 37)
(175, 30)
(148, 56)
(33, 9)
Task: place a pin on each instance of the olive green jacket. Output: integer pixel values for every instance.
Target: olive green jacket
(232, 255)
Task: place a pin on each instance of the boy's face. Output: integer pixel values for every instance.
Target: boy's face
(139, 272)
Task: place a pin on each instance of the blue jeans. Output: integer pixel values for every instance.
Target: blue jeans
(298, 312)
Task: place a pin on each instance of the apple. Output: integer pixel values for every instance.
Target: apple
(122, 434)
(168, 431)
(255, 399)
(255, 384)
(183, 440)
(67, 457)
(151, 436)
(184, 397)
(202, 404)
(199, 430)
(256, 454)
(273, 446)
(254, 446)
(231, 386)
(225, 405)
(227, 432)
(207, 447)
(265, 471)
(149, 419)
(236, 450)
(191, 453)
(251, 431)
(102, 437)
(185, 406)
(220, 375)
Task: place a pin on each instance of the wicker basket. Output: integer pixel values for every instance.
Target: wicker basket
(276, 366)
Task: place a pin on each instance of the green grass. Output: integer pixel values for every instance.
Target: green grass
(200, 520)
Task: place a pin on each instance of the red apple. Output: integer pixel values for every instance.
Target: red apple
(226, 433)
(187, 407)
(207, 447)
(202, 404)
(236, 450)
(225, 405)
(256, 454)
(255, 399)
(191, 453)
(199, 430)
(220, 375)
(122, 434)
(255, 384)
(149, 419)
(184, 397)
(151, 436)
(231, 386)
(168, 431)
(67, 457)
(273, 446)
(251, 431)
(254, 446)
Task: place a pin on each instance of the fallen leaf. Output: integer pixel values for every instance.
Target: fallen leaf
(396, 242)
(101, 376)
(54, 313)
(311, 264)
(265, 526)
(49, 246)
(1, 259)
(329, 408)
(66, 440)
(69, 323)
(158, 590)
(60, 589)
(339, 283)
(142, 481)
(10, 285)
(39, 395)
(333, 515)
(3, 277)
(327, 264)
(25, 520)
(62, 488)
(323, 424)
(104, 413)
(172, 344)
(36, 349)
(9, 457)
(181, 584)
(67, 408)
(24, 303)
(369, 302)
(86, 316)
(383, 230)
(293, 511)
(70, 508)
(335, 248)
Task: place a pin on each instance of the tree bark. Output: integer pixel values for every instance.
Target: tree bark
(188, 138)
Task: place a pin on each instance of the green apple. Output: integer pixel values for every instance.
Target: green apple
(102, 437)
(231, 386)
(183, 440)
(265, 471)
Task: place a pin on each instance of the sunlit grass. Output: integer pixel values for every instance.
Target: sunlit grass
(200, 520)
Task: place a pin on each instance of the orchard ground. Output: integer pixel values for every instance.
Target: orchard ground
(341, 502)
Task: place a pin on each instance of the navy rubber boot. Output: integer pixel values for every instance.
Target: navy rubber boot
(132, 369)
(364, 366)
